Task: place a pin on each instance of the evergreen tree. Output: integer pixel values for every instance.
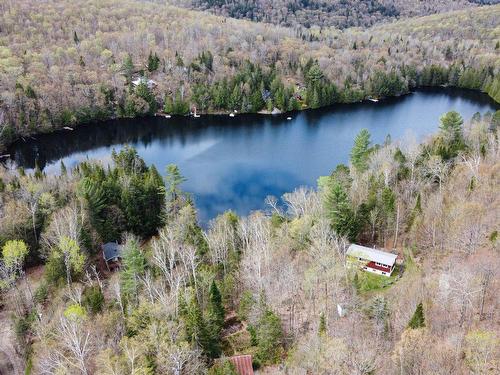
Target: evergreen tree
(361, 151)
(322, 325)
(418, 319)
(235, 99)
(128, 68)
(216, 308)
(451, 124)
(197, 331)
(133, 266)
(142, 91)
(342, 217)
(173, 180)
(451, 140)
(315, 100)
(269, 335)
(75, 38)
(153, 62)
(314, 75)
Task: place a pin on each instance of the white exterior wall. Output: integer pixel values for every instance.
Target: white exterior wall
(378, 272)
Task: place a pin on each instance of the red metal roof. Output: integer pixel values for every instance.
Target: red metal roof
(377, 267)
(243, 364)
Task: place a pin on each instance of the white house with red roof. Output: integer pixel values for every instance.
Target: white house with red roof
(371, 260)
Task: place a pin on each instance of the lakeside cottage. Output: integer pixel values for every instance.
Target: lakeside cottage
(112, 255)
(371, 260)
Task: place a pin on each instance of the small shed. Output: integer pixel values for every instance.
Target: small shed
(112, 255)
(242, 364)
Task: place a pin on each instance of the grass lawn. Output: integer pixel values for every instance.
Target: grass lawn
(368, 281)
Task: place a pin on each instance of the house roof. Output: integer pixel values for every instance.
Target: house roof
(243, 364)
(373, 255)
(111, 250)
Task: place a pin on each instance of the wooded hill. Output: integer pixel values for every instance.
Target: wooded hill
(63, 63)
(338, 13)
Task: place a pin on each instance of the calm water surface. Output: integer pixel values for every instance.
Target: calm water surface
(234, 163)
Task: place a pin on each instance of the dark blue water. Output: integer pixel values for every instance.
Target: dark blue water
(234, 163)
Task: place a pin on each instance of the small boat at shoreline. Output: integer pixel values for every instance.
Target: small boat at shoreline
(231, 114)
(373, 100)
(166, 115)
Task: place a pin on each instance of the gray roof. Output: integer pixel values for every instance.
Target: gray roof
(111, 250)
(374, 255)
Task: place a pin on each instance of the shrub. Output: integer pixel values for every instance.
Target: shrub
(246, 303)
(224, 367)
(55, 272)
(41, 293)
(269, 336)
(93, 299)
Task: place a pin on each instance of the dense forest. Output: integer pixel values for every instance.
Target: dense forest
(64, 63)
(270, 284)
(337, 13)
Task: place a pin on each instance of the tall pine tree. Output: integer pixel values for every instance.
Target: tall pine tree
(216, 308)
(197, 330)
(361, 151)
(342, 217)
(418, 318)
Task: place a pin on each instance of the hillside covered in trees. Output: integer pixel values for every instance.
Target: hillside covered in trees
(64, 63)
(269, 284)
(337, 13)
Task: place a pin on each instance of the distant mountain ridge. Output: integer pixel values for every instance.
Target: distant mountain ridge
(336, 13)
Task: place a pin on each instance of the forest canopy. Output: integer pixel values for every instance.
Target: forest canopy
(64, 63)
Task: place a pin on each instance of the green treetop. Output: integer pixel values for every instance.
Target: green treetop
(134, 265)
(451, 124)
(322, 325)
(14, 252)
(418, 318)
(74, 259)
(216, 308)
(338, 207)
(361, 151)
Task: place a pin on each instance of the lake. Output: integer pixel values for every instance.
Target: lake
(234, 163)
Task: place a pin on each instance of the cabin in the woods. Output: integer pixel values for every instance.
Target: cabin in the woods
(371, 260)
(242, 364)
(112, 255)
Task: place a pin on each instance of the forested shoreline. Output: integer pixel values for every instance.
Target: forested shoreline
(221, 65)
(185, 298)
